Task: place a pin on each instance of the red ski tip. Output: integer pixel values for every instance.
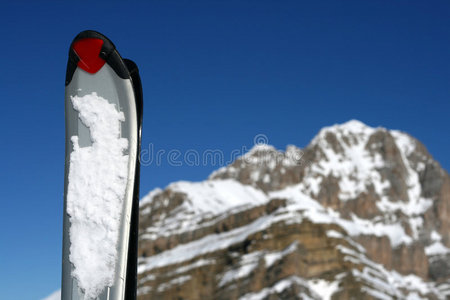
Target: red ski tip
(88, 50)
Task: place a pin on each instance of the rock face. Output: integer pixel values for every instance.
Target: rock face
(360, 213)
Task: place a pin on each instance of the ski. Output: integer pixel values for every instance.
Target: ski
(103, 112)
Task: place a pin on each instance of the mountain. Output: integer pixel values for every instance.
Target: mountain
(54, 296)
(360, 213)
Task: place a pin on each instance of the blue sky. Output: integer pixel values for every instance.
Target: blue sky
(215, 74)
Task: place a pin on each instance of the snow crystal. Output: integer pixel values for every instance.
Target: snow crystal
(96, 189)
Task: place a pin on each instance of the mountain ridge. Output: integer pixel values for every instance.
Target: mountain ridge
(360, 210)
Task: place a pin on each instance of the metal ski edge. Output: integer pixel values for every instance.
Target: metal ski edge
(131, 280)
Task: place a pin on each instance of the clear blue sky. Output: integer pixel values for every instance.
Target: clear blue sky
(215, 74)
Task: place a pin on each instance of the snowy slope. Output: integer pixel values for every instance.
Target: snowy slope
(54, 296)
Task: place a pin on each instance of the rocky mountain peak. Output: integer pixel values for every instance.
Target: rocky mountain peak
(353, 129)
(264, 167)
(360, 212)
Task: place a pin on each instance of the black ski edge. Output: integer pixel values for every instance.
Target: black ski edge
(108, 53)
(131, 278)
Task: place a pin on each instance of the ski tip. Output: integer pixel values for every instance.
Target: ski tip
(86, 34)
(89, 51)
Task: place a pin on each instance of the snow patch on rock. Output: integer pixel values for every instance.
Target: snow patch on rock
(204, 200)
(325, 289)
(278, 288)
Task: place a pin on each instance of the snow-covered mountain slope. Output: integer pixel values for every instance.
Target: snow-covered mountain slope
(54, 296)
(360, 213)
